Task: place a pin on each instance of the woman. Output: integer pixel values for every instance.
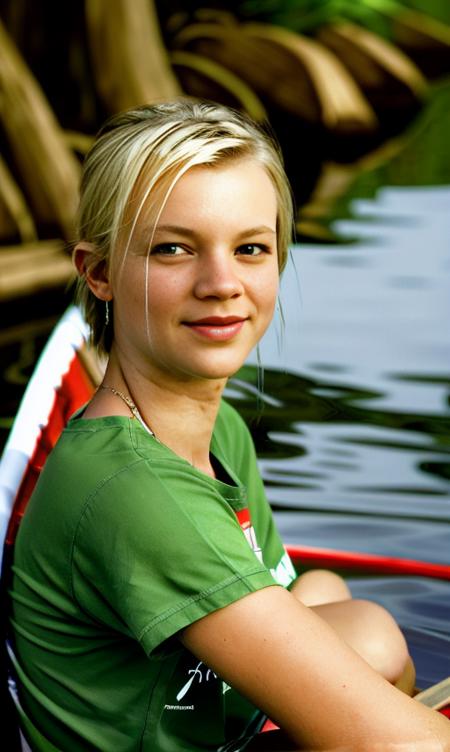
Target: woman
(150, 606)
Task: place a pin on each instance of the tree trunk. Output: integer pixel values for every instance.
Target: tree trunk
(129, 60)
(49, 171)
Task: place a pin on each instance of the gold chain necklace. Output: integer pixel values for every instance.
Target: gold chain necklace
(131, 405)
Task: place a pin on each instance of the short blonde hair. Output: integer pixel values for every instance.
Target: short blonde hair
(166, 139)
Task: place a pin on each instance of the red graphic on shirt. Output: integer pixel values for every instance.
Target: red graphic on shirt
(247, 528)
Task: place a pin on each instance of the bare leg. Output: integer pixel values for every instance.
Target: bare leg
(371, 631)
(407, 681)
(366, 627)
(320, 586)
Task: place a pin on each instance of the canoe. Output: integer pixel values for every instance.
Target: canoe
(64, 379)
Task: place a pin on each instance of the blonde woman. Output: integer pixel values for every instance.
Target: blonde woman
(153, 605)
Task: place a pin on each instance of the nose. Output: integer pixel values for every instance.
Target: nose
(218, 277)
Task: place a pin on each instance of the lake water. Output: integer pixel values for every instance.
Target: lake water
(353, 428)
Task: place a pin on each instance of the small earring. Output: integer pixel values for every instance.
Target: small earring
(106, 313)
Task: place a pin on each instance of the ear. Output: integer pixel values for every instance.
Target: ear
(93, 269)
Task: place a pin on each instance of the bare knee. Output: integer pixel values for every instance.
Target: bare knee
(320, 586)
(371, 631)
(367, 627)
(380, 641)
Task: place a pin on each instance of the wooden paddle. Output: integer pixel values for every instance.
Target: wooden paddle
(437, 696)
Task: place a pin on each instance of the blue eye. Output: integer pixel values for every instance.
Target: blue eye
(168, 249)
(251, 249)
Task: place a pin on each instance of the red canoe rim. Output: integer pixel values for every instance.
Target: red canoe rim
(369, 563)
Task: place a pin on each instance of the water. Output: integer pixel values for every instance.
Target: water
(358, 435)
(354, 434)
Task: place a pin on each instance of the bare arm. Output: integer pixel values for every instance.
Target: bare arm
(293, 666)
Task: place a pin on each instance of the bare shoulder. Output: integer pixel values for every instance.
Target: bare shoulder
(292, 665)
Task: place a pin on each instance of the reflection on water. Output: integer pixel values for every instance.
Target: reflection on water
(356, 383)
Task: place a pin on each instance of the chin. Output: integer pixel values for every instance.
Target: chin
(217, 372)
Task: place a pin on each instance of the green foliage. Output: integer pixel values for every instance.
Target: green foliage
(307, 15)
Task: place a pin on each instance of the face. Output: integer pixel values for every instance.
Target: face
(206, 295)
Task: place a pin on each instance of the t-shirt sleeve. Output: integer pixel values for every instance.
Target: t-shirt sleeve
(155, 552)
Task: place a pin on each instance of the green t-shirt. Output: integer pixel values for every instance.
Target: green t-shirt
(124, 544)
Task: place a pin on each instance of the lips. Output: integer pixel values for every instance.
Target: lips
(217, 328)
(216, 321)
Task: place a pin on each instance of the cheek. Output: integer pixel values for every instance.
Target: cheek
(268, 291)
(141, 289)
(129, 284)
(161, 292)
(165, 300)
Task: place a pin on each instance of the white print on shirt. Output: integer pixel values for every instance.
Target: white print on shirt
(196, 672)
(179, 707)
(284, 573)
(250, 534)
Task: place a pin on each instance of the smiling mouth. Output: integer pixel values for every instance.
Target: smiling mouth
(217, 328)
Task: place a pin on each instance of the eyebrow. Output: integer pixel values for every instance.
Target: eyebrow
(187, 231)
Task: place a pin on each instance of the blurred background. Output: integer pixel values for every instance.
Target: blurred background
(352, 427)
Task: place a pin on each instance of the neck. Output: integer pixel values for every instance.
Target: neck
(181, 415)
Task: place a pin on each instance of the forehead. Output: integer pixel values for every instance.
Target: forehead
(233, 188)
